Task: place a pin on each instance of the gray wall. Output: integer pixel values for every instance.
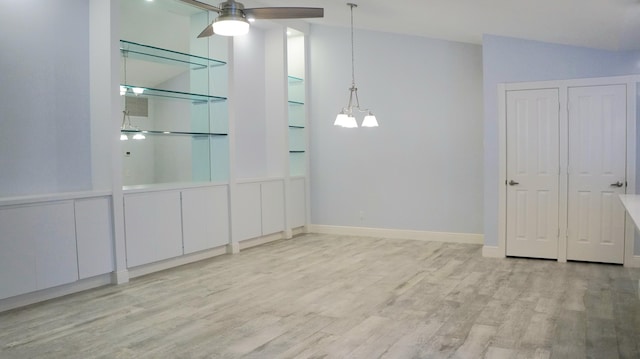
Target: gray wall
(44, 97)
(422, 168)
(516, 60)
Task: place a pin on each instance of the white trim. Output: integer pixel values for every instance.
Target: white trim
(253, 242)
(630, 259)
(169, 187)
(632, 262)
(176, 262)
(120, 277)
(469, 238)
(563, 86)
(52, 197)
(55, 292)
(492, 252)
(502, 171)
(298, 231)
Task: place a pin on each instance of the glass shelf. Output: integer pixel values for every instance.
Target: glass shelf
(172, 133)
(293, 79)
(296, 103)
(296, 151)
(147, 91)
(156, 54)
(295, 126)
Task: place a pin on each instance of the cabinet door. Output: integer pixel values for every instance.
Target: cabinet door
(272, 198)
(205, 218)
(297, 204)
(94, 236)
(247, 220)
(38, 248)
(153, 227)
(56, 255)
(18, 256)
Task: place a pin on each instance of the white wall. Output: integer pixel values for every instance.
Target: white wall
(516, 60)
(422, 168)
(45, 144)
(249, 97)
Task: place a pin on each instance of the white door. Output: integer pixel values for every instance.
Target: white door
(532, 173)
(597, 173)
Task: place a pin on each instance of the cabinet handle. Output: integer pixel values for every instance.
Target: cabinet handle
(617, 184)
(513, 183)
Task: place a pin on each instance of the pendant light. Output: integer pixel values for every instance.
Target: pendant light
(346, 118)
(126, 119)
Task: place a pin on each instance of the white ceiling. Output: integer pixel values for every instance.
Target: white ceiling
(605, 24)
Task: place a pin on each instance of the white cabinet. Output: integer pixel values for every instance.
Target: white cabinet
(38, 247)
(260, 209)
(272, 207)
(247, 220)
(94, 236)
(297, 203)
(205, 218)
(167, 224)
(153, 227)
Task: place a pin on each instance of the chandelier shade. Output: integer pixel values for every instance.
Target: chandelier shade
(346, 116)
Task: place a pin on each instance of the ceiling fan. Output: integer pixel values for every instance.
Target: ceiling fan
(233, 18)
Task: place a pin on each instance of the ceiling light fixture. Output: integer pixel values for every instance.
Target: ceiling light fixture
(232, 21)
(231, 26)
(345, 118)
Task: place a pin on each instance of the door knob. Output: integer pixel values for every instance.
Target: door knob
(513, 183)
(617, 184)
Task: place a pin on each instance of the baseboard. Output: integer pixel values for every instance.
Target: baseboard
(176, 262)
(120, 277)
(55, 292)
(632, 262)
(492, 252)
(468, 238)
(298, 231)
(248, 243)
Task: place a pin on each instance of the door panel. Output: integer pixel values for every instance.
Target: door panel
(532, 172)
(597, 165)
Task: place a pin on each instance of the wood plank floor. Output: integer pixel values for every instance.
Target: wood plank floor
(322, 296)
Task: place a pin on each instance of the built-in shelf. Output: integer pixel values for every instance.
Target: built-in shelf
(151, 92)
(173, 133)
(293, 79)
(151, 53)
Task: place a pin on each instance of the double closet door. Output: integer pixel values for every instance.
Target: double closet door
(565, 171)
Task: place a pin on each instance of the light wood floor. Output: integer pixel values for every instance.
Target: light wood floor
(321, 296)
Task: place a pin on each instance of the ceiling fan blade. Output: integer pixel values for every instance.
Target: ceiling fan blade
(208, 31)
(283, 12)
(202, 5)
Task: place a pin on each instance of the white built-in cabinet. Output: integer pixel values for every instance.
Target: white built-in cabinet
(297, 203)
(260, 209)
(178, 192)
(166, 224)
(49, 244)
(205, 218)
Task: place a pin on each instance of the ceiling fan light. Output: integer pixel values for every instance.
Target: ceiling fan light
(230, 26)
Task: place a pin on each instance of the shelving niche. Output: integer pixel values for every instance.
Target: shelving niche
(296, 103)
(175, 118)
